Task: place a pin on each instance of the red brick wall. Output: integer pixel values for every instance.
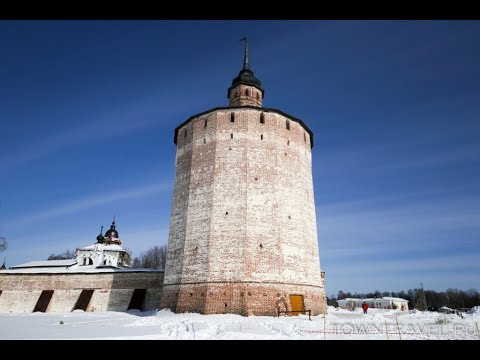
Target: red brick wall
(240, 298)
(243, 213)
(238, 96)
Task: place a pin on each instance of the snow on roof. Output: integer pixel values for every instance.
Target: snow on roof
(374, 299)
(110, 247)
(75, 270)
(394, 298)
(46, 264)
(113, 247)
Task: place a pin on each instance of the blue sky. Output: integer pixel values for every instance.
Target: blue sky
(88, 110)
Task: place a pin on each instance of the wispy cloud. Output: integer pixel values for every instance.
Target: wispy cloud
(89, 202)
(386, 242)
(405, 266)
(105, 124)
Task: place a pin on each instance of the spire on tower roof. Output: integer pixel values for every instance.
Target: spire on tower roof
(246, 65)
(245, 76)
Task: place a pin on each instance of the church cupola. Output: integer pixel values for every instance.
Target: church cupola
(111, 236)
(100, 238)
(246, 89)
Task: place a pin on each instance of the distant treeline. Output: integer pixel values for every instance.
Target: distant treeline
(452, 298)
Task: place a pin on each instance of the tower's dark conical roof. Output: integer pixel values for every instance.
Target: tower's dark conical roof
(245, 76)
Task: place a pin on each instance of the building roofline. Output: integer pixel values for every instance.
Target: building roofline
(263, 109)
(96, 271)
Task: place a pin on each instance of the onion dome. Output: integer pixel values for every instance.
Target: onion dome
(112, 233)
(100, 237)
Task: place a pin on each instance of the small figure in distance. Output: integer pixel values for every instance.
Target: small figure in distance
(365, 307)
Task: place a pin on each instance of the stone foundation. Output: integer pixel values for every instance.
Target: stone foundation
(240, 298)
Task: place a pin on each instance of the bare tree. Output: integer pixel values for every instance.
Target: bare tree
(136, 263)
(62, 256)
(153, 258)
(3, 244)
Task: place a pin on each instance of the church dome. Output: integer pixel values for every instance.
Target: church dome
(100, 237)
(112, 233)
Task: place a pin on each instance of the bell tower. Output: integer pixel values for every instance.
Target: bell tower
(246, 89)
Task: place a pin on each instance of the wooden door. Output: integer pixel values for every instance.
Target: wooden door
(296, 304)
(43, 301)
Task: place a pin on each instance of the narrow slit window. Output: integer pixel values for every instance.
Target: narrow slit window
(231, 136)
(288, 125)
(185, 133)
(258, 96)
(232, 117)
(262, 118)
(304, 137)
(247, 92)
(205, 123)
(261, 137)
(288, 142)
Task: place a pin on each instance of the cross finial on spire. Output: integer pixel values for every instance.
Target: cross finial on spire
(246, 65)
(113, 222)
(101, 230)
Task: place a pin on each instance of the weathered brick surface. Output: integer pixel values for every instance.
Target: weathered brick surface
(239, 97)
(243, 216)
(112, 291)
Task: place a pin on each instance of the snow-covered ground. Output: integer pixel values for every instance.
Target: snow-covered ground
(338, 324)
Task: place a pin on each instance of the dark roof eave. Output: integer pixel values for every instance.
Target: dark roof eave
(293, 118)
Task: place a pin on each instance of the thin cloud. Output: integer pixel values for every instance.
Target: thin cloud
(136, 115)
(89, 202)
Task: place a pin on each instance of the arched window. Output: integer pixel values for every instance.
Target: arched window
(247, 92)
(262, 118)
(258, 96)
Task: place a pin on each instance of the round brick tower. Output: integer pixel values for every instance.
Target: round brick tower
(243, 233)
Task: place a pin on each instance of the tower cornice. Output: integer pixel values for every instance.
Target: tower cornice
(232, 108)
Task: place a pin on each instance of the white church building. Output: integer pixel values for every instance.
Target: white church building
(99, 278)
